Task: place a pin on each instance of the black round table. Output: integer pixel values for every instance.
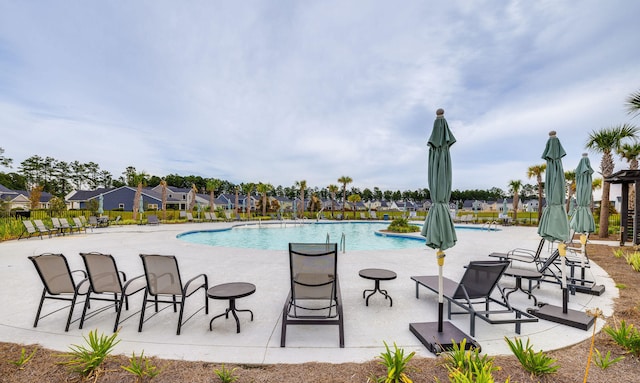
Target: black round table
(231, 291)
(519, 274)
(377, 275)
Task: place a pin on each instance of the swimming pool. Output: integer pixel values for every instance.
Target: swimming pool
(276, 236)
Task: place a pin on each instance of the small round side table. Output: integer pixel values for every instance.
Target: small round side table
(377, 275)
(231, 291)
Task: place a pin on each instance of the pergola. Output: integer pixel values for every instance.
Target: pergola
(628, 219)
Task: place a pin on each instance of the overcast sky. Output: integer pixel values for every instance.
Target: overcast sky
(282, 91)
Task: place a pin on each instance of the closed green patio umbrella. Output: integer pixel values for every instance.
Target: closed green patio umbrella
(140, 207)
(554, 226)
(582, 219)
(438, 227)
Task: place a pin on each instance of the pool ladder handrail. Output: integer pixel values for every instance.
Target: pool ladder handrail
(343, 242)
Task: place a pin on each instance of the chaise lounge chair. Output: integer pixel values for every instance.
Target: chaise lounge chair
(59, 283)
(549, 267)
(104, 278)
(163, 280)
(314, 297)
(473, 295)
(152, 219)
(64, 224)
(80, 226)
(29, 230)
(43, 229)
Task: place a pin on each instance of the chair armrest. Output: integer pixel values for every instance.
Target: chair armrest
(523, 255)
(134, 285)
(81, 272)
(188, 289)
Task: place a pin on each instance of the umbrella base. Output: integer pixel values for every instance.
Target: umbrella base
(572, 318)
(596, 290)
(437, 342)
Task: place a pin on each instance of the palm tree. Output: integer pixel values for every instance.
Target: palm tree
(344, 180)
(302, 185)
(570, 178)
(605, 141)
(537, 170)
(514, 188)
(354, 199)
(633, 103)
(139, 179)
(247, 189)
(192, 200)
(263, 189)
(630, 153)
(595, 185)
(163, 184)
(333, 189)
(212, 186)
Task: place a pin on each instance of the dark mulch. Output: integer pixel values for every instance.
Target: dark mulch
(45, 367)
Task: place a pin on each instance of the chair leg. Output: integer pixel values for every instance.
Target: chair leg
(283, 332)
(35, 323)
(341, 326)
(144, 304)
(180, 315)
(119, 311)
(84, 312)
(73, 304)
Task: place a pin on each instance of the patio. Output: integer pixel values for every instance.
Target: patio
(365, 327)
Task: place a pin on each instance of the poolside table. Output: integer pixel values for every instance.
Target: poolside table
(377, 275)
(519, 274)
(231, 291)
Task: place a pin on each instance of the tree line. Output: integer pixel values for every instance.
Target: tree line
(59, 177)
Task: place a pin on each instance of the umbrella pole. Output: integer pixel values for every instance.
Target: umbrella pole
(583, 248)
(562, 249)
(440, 257)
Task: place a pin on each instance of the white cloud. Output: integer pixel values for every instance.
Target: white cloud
(252, 91)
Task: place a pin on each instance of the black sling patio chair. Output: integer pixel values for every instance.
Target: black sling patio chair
(314, 297)
(59, 283)
(108, 284)
(164, 280)
(473, 295)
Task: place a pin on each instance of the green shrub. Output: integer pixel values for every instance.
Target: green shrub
(401, 225)
(468, 365)
(605, 361)
(226, 375)
(626, 336)
(537, 363)
(24, 358)
(141, 367)
(86, 360)
(633, 259)
(396, 364)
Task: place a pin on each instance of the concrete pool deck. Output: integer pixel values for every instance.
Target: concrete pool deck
(259, 341)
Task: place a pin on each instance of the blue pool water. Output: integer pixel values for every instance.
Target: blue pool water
(358, 236)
